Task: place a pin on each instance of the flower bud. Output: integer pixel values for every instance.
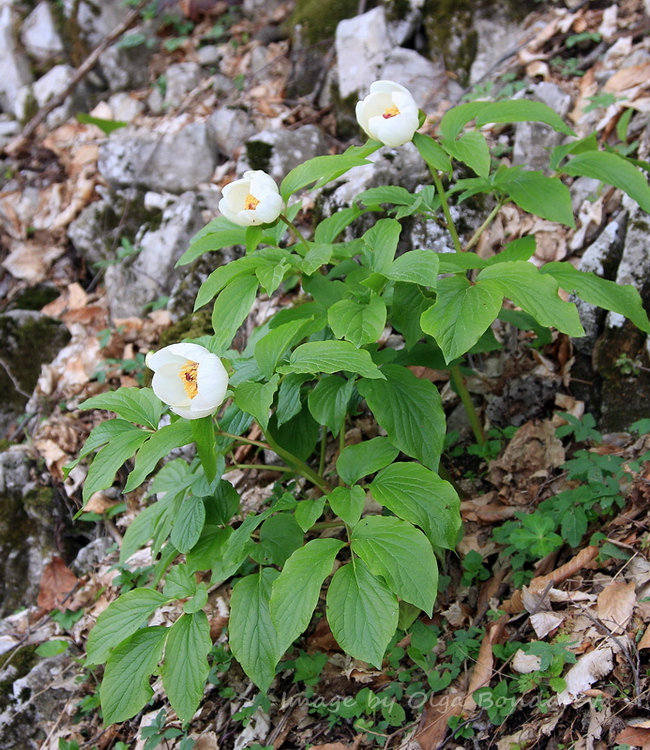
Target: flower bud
(388, 114)
(189, 379)
(253, 200)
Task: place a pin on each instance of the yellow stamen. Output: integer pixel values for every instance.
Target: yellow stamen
(250, 202)
(390, 112)
(189, 373)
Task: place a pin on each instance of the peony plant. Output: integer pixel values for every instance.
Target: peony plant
(300, 377)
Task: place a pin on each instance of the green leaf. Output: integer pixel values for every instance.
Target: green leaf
(157, 447)
(381, 241)
(543, 196)
(330, 228)
(299, 435)
(188, 524)
(620, 298)
(289, 402)
(347, 503)
(410, 410)
(321, 168)
(224, 275)
(221, 504)
(219, 233)
(272, 266)
(328, 402)
(308, 512)
(521, 249)
(419, 496)
(522, 110)
(270, 349)
(230, 310)
(109, 459)
(417, 266)
(529, 289)
(472, 149)
(208, 549)
(102, 434)
(358, 461)
(52, 648)
(408, 305)
(590, 143)
(333, 356)
(185, 668)
(613, 170)
(362, 612)
(125, 688)
(402, 555)
(317, 256)
(296, 590)
(432, 153)
(120, 620)
(203, 434)
(141, 530)
(455, 262)
(256, 399)
(574, 526)
(280, 535)
(106, 126)
(323, 290)
(461, 314)
(455, 119)
(253, 637)
(139, 405)
(397, 196)
(358, 322)
(179, 583)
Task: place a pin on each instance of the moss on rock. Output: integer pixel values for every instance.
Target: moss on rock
(319, 18)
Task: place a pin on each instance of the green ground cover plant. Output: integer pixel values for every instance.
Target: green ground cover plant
(300, 376)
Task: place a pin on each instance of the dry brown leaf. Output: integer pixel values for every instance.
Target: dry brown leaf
(31, 260)
(635, 735)
(99, 502)
(434, 725)
(645, 640)
(484, 667)
(635, 75)
(616, 605)
(57, 582)
(207, 741)
(330, 746)
(545, 622)
(588, 669)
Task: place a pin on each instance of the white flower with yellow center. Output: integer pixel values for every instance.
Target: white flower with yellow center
(253, 200)
(388, 114)
(189, 379)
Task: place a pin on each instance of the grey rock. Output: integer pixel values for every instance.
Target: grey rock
(253, 8)
(151, 273)
(54, 83)
(175, 162)
(8, 129)
(36, 701)
(279, 151)
(496, 37)
(28, 340)
(208, 55)
(362, 44)
(231, 128)
(96, 20)
(39, 33)
(91, 555)
(222, 85)
(156, 101)
(534, 140)
(125, 107)
(126, 67)
(582, 189)
(181, 79)
(426, 80)
(13, 62)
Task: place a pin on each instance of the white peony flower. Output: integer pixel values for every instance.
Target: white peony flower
(388, 114)
(253, 200)
(189, 379)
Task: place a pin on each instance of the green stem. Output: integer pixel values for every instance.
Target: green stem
(477, 234)
(445, 209)
(461, 389)
(296, 231)
(264, 467)
(323, 450)
(298, 465)
(328, 525)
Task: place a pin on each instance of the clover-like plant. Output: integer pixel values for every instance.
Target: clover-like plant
(299, 376)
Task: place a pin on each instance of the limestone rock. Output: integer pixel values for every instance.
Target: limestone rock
(125, 107)
(52, 84)
(126, 67)
(39, 34)
(231, 128)
(96, 20)
(496, 35)
(27, 340)
(13, 63)
(151, 273)
(175, 162)
(534, 140)
(279, 151)
(181, 79)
